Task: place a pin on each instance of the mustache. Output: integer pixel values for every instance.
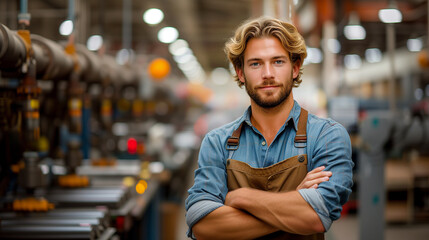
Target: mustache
(269, 83)
(266, 82)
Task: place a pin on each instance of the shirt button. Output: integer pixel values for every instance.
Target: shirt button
(263, 143)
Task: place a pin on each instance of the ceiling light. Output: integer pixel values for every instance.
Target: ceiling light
(178, 47)
(184, 58)
(168, 35)
(414, 45)
(373, 55)
(184, 53)
(352, 61)
(94, 42)
(390, 15)
(354, 32)
(333, 45)
(66, 28)
(153, 16)
(189, 66)
(193, 71)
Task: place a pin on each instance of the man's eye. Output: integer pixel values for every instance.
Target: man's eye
(255, 64)
(279, 62)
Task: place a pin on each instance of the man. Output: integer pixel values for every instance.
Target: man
(276, 172)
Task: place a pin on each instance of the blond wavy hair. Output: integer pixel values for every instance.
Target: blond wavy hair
(261, 27)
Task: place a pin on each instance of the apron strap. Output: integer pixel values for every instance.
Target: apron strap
(234, 140)
(300, 138)
(301, 133)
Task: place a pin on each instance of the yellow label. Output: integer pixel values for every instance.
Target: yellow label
(34, 104)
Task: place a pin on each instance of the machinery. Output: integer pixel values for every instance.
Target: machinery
(65, 114)
(46, 110)
(384, 134)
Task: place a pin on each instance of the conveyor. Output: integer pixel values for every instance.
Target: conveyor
(57, 224)
(54, 232)
(101, 214)
(112, 198)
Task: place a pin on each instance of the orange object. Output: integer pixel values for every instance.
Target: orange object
(73, 181)
(32, 205)
(423, 59)
(25, 35)
(141, 148)
(102, 162)
(141, 186)
(17, 167)
(159, 68)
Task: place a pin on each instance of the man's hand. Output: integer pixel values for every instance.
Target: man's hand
(234, 196)
(314, 178)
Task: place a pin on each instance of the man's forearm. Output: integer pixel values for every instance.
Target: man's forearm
(230, 223)
(286, 211)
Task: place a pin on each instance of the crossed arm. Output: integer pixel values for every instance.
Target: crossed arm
(250, 213)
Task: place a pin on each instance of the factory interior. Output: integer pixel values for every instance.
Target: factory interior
(139, 83)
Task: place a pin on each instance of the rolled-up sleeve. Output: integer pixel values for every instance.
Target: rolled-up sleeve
(332, 150)
(314, 198)
(199, 210)
(210, 187)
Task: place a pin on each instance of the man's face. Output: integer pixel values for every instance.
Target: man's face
(267, 72)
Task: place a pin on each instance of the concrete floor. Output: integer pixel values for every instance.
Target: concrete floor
(347, 228)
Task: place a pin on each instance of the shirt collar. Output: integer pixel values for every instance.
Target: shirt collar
(293, 115)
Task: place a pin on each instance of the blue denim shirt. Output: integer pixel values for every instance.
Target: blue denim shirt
(328, 144)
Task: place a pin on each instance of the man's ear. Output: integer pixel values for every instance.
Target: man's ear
(240, 74)
(295, 67)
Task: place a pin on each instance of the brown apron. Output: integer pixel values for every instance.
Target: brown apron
(281, 177)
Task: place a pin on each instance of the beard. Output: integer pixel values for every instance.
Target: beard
(270, 99)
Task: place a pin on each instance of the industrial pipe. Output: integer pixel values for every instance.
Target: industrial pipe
(52, 62)
(90, 64)
(110, 73)
(12, 52)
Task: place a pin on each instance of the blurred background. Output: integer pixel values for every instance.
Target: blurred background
(104, 103)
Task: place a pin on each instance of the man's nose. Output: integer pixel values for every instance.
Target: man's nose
(267, 71)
